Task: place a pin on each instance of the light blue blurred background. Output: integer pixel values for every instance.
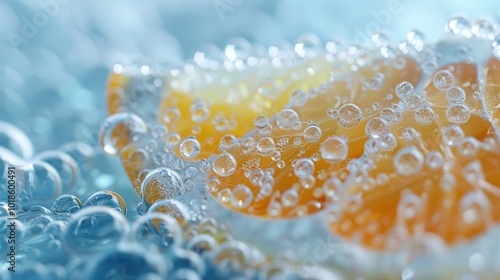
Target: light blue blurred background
(51, 84)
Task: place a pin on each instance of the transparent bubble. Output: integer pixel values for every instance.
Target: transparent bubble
(199, 113)
(66, 204)
(424, 115)
(298, 98)
(375, 127)
(408, 161)
(55, 230)
(106, 198)
(483, 28)
(286, 119)
(458, 113)
(161, 183)
(303, 168)
(241, 197)
(468, 147)
(266, 146)
(261, 121)
(312, 133)
(190, 148)
(455, 94)
(350, 115)
(157, 229)
(237, 48)
(213, 184)
(388, 142)
(191, 172)
(65, 166)
(452, 135)
(268, 89)
(172, 208)
(434, 160)
(118, 131)
(290, 198)
(307, 45)
(412, 102)
(15, 140)
(228, 142)
(94, 229)
(443, 80)
(459, 25)
(224, 165)
(202, 243)
(404, 89)
(42, 183)
(334, 149)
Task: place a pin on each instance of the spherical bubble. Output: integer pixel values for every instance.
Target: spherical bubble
(261, 121)
(298, 98)
(79, 151)
(202, 243)
(231, 254)
(388, 141)
(404, 89)
(159, 184)
(408, 161)
(66, 204)
(199, 112)
(424, 115)
(119, 130)
(94, 229)
(108, 199)
(452, 135)
(190, 148)
(375, 127)
(241, 197)
(334, 149)
(213, 184)
(290, 198)
(459, 25)
(458, 113)
(265, 146)
(228, 142)
(129, 262)
(434, 160)
(15, 140)
(224, 165)
(184, 259)
(157, 229)
(312, 133)
(237, 48)
(350, 115)
(455, 94)
(307, 45)
(66, 167)
(172, 208)
(303, 168)
(286, 119)
(412, 102)
(42, 182)
(443, 80)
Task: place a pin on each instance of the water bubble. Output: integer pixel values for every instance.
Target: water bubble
(286, 119)
(241, 197)
(172, 208)
(191, 172)
(202, 243)
(261, 121)
(173, 138)
(118, 130)
(157, 228)
(65, 166)
(268, 89)
(468, 147)
(455, 94)
(424, 115)
(213, 184)
(376, 82)
(412, 102)
(66, 204)
(452, 135)
(483, 28)
(106, 198)
(199, 112)
(434, 160)
(443, 80)
(15, 140)
(298, 98)
(303, 168)
(160, 183)
(94, 229)
(55, 230)
(237, 48)
(307, 45)
(459, 25)
(334, 149)
(312, 133)
(404, 89)
(408, 161)
(42, 182)
(458, 113)
(265, 146)
(388, 142)
(350, 115)
(332, 113)
(224, 165)
(375, 127)
(190, 148)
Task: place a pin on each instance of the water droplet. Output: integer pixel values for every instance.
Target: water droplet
(303, 168)
(458, 113)
(224, 165)
(265, 146)
(213, 184)
(118, 130)
(443, 79)
(334, 149)
(171, 115)
(286, 119)
(312, 133)
(455, 94)
(424, 115)
(452, 135)
(66, 204)
(190, 147)
(459, 25)
(241, 197)
(408, 161)
(106, 198)
(290, 198)
(298, 98)
(388, 142)
(261, 121)
(375, 127)
(228, 142)
(350, 115)
(404, 89)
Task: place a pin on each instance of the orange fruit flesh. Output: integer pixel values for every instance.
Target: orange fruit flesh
(372, 210)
